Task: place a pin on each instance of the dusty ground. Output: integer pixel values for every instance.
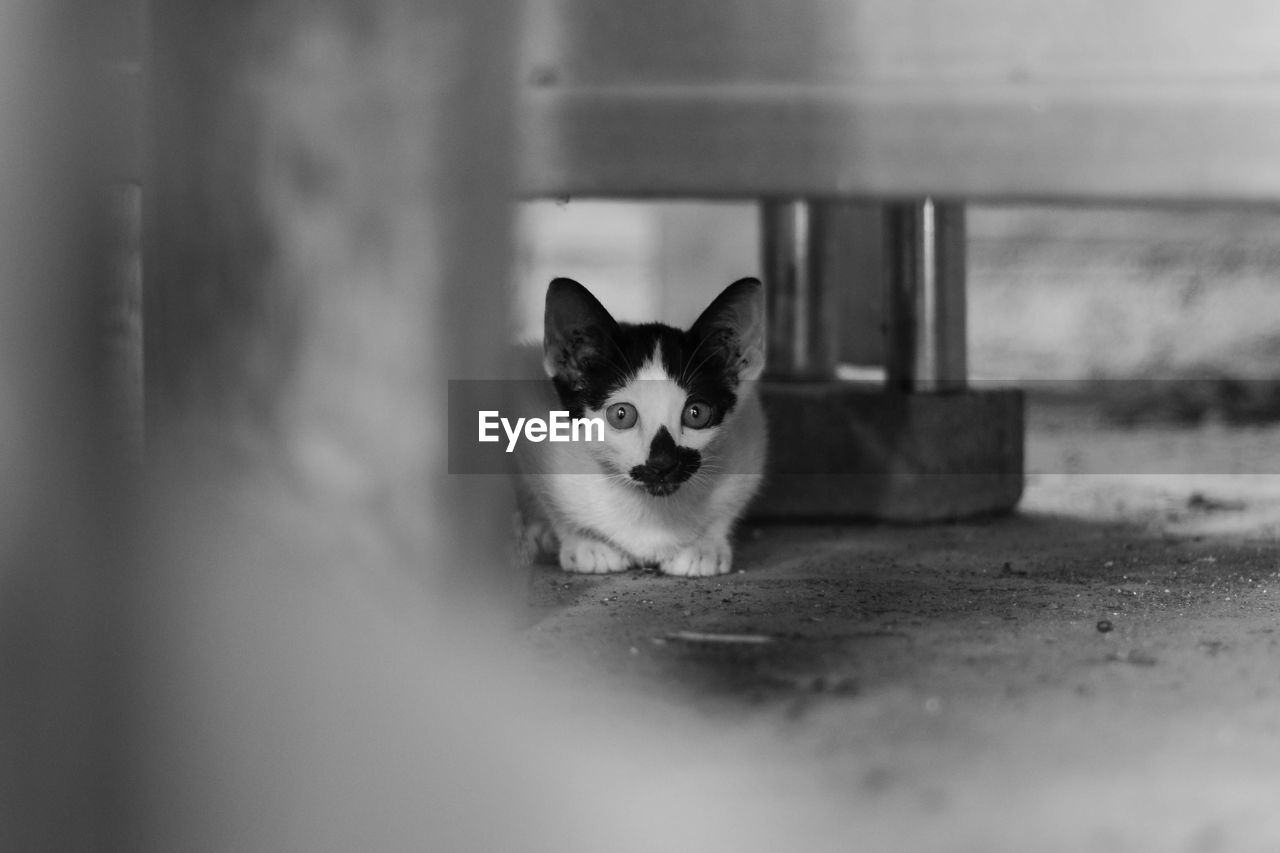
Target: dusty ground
(1100, 671)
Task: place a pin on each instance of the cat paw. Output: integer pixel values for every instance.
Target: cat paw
(591, 556)
(701, 559)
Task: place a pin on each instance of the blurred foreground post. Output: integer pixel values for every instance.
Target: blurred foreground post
(327, 235)
(327, 245)
(61, 509)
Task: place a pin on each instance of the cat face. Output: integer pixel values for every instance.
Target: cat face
(666, 395)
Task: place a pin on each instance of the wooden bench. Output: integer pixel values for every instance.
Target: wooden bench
(863, 127)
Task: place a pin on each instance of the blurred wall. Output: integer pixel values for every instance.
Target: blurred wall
(1055, 292)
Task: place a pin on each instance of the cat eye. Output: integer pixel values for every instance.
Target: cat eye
(622, 416)
(697, 414)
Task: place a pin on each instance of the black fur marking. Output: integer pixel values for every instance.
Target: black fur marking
(668, 464)
(594, 356)
(704, 371)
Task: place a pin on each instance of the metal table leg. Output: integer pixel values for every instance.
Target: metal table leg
(924, 446)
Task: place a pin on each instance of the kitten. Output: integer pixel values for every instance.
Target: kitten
(684, 436)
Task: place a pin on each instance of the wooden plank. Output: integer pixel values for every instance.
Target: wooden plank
(1059, 143)
(985, 100)
(600, 43)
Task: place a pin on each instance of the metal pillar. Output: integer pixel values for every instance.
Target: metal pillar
(813, 264)
(802, 323)
(925, 342)
(886, 283)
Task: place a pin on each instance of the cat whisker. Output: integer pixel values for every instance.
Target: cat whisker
(708, 357)
(684, 374)
(630, 368)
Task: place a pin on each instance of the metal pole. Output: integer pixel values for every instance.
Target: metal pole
(803, 338)
(925, 346)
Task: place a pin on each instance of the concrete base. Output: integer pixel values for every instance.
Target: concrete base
(841, 451)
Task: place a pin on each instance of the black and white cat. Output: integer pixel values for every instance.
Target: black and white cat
(684, 438)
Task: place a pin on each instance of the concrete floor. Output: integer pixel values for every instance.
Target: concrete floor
(1100, 671)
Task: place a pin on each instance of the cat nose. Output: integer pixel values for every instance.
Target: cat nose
(663, 456)
(662, 464)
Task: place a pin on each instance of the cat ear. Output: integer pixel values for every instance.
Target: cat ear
(734, 321)
(576, 330)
